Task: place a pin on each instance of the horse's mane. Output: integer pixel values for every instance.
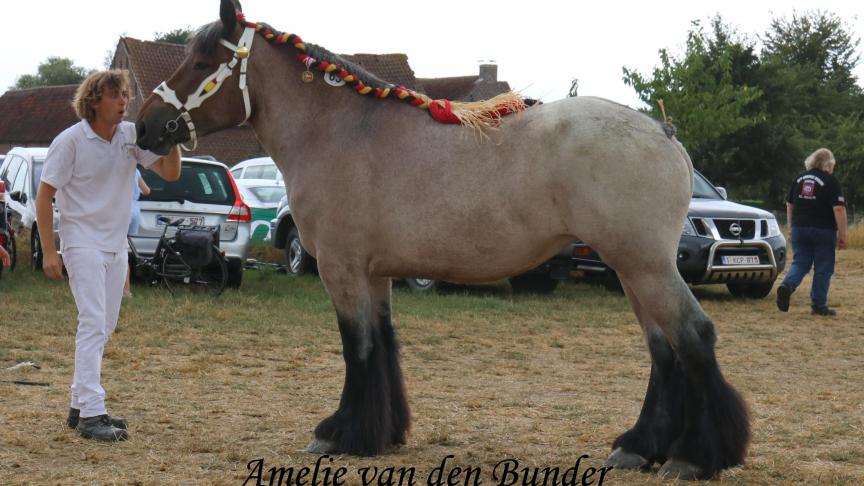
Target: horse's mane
(206, 39)
(476, 114)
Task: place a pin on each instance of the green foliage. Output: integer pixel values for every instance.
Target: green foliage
(55, 71)
(749, 120)
(176, 36)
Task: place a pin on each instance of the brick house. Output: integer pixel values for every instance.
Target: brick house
(33, 117)
(483, 86)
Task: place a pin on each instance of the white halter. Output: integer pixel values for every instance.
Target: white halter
(210, 86)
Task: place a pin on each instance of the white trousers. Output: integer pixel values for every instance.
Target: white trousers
(96, 279)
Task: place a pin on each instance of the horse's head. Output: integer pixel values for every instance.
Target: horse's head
(187, 106)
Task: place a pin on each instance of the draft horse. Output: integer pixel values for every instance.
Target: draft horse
(381, 190)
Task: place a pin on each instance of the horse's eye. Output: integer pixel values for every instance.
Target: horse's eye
(201, 66)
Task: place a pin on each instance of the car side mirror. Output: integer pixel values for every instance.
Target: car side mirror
(18, 196)
(722, 191)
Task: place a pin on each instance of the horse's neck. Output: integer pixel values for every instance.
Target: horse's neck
(296, 121)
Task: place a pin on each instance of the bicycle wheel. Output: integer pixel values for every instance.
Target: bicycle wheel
(214, 276)
(211, 278)
(173, 270)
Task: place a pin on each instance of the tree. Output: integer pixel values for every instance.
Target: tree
(176, 36)
(54, 71)
(707, 93)
(815, 94)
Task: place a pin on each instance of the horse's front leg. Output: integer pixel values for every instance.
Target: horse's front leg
(373, 412)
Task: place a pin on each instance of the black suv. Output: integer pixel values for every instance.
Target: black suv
(721, 242)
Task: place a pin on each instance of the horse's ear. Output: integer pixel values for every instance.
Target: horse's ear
(228, 14)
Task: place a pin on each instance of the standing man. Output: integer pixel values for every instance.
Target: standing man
(816, 211)
(91, 168)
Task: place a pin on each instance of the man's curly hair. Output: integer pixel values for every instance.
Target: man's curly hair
(94, 87)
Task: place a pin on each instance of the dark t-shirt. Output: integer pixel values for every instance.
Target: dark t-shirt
(813, 196)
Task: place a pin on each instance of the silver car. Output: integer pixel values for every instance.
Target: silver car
(205, 194)
(21, 170)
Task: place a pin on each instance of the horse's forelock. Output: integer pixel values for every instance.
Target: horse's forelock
(206, 39)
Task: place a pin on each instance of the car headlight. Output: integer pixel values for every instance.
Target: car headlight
(773, 228)
(687, 228)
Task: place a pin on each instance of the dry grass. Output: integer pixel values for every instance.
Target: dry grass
(856, 236)
(210, 385)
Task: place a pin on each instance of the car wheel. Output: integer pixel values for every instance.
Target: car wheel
(533, 284)
(35, 249)
(421, 284)
(299, 262)
(235, 273)
(750, 291)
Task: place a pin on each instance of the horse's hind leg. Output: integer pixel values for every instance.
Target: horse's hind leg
(659, 420)
(373, 412)
(691, 418)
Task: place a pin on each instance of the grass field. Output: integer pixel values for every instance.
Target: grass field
(210, 385)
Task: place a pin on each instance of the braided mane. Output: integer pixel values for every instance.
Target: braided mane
(478, 114)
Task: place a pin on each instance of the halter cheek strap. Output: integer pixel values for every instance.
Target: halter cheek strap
(210, 86)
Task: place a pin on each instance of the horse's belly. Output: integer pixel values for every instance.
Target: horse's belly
(467, 262)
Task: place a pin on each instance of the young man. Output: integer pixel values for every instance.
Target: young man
(816, 211)
(91, 167)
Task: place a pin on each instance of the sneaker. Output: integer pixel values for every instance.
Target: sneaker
(783, 294)
(74, 413)
(822, 310)
(100, 428)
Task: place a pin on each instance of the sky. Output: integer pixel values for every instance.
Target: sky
(539, 46)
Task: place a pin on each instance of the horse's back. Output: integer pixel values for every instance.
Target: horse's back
(614, 165)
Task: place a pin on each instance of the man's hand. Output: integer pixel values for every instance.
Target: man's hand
(841, 241)
(52, 266)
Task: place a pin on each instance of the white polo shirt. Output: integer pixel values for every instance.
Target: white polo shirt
(94, 179)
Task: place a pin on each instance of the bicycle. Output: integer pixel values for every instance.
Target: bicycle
(190, 257)
(7, 230)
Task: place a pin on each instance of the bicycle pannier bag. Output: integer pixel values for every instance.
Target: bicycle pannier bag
(196, 247)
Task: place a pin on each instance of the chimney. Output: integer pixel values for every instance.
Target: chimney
(489, 73)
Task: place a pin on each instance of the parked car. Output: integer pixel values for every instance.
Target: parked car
(257, 168)
(205, 194)
(21, 170)
(543, 279)
(722, 242)
(262, 196)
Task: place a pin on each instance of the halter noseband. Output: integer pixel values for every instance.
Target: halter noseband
(210, 86)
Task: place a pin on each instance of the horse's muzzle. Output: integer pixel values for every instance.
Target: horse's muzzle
(160, 131)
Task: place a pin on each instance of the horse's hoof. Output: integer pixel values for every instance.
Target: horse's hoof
(677, 469)
(319, 446)
(621, 459)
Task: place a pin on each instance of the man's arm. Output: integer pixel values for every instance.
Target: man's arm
(51, 264)
(168, 167)
(143, 187)
(789, 207)
(840, 217)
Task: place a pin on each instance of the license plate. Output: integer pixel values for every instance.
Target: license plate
(740, 260)
(188, 220)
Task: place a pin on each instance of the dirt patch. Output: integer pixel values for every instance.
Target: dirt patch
(210, 385)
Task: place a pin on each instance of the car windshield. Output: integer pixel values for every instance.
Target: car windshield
(199, 183)
(268, 194)
(702, 189)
